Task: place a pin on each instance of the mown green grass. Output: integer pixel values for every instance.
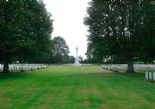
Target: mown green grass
(68, 87)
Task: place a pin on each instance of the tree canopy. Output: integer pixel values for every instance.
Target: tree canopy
(60, 51)
(25, 29)
(121, 30)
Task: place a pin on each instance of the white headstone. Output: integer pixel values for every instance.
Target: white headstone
(153, 76)
(147, 75)
(150, 76)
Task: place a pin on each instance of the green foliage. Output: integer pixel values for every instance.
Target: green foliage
(60, 51)
(25, 29)
(121, 29)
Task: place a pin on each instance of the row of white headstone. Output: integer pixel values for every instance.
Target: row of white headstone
(123, 67)
(150, 76)
(148, 69)
(24, 67)
(115, 67)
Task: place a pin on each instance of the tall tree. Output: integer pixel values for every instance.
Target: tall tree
(60, 50)
(25, 28)
(121, 29)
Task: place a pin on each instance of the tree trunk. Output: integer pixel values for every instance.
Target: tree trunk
(6, 67)
(130, 66)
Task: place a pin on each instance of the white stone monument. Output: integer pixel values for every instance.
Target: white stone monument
(77, 58)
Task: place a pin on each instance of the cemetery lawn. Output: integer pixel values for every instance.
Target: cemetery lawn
(68, 87)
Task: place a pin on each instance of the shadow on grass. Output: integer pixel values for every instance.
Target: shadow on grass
(137, 75)
(97, 74)
(14, 75)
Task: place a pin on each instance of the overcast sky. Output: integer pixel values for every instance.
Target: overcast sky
(68, 22)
